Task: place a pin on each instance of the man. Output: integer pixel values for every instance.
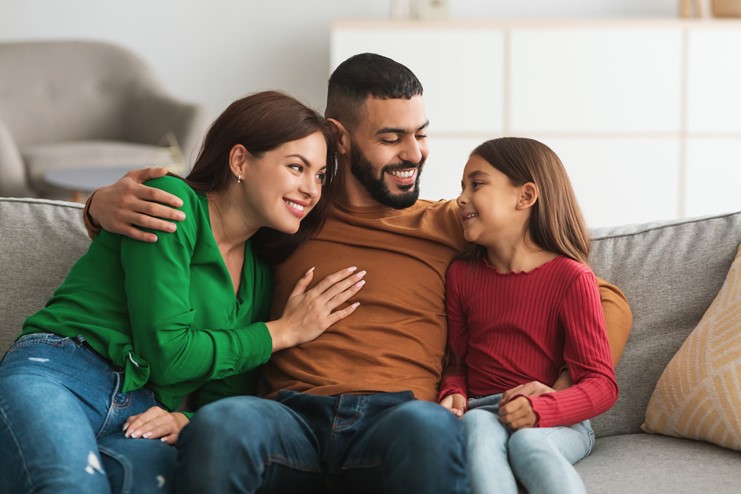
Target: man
(354, 408)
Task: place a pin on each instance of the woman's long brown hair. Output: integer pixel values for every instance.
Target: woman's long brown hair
(262, 122)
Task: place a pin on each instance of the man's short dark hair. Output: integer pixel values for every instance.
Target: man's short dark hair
(367, 75)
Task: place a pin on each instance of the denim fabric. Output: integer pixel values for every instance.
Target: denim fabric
(386, 442)
(61, 419)
(540, 459)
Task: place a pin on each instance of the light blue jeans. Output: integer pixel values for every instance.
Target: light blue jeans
(540, 458)
(61, 419)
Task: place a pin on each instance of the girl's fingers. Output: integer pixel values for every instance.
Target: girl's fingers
(330, 280)
(342, 313)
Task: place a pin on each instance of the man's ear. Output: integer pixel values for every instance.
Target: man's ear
(341, 136)
(528, 196)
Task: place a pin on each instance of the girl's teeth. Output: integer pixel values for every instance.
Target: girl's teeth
(297, 207)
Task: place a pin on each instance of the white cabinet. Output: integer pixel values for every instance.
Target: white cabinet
(645, 114)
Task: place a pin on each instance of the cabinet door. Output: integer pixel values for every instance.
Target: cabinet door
(591, 80)
(713, 176)
(441, 178)
(461, 70)
(619, 181)
(714, 80)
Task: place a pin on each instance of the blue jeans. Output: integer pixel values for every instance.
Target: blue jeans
(385, 442)
(540, 458)
(61, 417)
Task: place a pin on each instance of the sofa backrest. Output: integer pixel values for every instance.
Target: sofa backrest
(55, 91)
(670, 272)
(39, 242)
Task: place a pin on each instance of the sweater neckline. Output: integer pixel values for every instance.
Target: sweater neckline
(542, 267)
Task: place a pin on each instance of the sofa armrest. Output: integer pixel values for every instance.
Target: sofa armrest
(12, 169)
(151, 116)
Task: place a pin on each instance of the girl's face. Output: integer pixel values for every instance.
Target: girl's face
(488, 204)
(284, 184)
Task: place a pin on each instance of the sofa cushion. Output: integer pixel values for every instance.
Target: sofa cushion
(697, 396)
(670, 272)
(39, 242)
(646, 463)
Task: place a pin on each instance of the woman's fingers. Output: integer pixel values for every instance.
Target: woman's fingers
(303, 283)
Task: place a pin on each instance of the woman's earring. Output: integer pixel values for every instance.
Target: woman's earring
(239, 179)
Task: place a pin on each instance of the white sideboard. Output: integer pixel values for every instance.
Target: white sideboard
(645, 114)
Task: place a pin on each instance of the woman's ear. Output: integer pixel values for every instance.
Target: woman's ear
(238, 161)
(528, 196)
(341, 136)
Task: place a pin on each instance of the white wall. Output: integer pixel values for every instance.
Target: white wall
(213, 51)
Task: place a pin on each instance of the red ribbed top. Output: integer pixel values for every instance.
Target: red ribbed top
(506, 330)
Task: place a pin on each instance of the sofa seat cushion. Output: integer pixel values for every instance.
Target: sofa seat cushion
(651, 464)
(41, 158)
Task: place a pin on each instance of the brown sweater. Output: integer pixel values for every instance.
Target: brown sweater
(396, 339)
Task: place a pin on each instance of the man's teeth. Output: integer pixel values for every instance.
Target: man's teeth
(403, 173)
(297, 207)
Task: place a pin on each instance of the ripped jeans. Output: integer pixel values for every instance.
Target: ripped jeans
(61, 418)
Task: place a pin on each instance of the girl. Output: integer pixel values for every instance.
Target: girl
(89, 393)
(523, 306)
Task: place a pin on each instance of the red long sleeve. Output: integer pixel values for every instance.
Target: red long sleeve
(506, 330)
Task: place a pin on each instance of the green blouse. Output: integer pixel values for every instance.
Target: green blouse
(166, 312)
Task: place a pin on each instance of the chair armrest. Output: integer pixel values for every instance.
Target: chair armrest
(12, 170)
(152, 115)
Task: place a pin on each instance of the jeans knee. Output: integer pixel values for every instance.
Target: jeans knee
(427, 424)
(527, 440)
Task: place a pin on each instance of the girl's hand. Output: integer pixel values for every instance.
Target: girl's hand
(517, 413)
(533, 388)
(456, 403)
(156, 423)
(309, 313)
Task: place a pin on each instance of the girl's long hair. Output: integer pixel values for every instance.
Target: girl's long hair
(556, 223)
(261, 122)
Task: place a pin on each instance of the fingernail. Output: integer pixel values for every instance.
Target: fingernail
(350, 270)
(360, 274)
(163, 439)
(178, 203)
(181, 215)
(147, 434)
(355, 305)
(360, 283)
(126, 426)
(309, 271)
(171, 227)
(135, 434)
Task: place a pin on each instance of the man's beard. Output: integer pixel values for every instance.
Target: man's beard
(363, 170)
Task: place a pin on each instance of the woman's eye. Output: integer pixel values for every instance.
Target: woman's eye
(298, 168)
(321, 178)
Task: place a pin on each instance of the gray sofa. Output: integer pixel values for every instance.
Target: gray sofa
(670, 271)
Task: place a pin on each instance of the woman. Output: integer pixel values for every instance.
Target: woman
(90, 393)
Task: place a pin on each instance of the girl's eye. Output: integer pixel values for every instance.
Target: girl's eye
(298, 168)
(476, 185)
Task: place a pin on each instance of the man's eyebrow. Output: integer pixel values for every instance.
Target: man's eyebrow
(398, 130)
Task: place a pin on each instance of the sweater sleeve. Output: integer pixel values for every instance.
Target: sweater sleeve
(454, 377)
(618, 318)
(587, 355)
(157, 284)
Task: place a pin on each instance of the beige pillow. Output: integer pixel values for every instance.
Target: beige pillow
(699, 393)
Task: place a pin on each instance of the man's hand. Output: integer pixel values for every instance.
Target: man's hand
(156, 423)
(517, 413)
(456, 403)
(533, 388)
(128, 205)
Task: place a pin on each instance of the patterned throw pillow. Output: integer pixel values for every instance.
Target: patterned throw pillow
(697, 396)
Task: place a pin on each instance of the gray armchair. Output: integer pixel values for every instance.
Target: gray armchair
(84, 104)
